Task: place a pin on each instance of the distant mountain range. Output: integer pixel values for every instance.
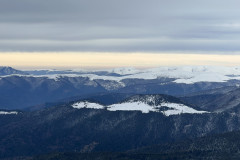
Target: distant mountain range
(183, 74)
(37, 87)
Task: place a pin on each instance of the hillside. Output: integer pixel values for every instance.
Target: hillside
(65, 128)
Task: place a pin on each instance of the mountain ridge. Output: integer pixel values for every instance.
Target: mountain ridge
(180, 74)
(64, 128)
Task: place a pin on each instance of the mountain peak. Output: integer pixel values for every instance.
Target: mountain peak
(5, 67)
(153, 99)
(6, 70)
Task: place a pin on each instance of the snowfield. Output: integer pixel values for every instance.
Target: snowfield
(169, 108)
(180, 74)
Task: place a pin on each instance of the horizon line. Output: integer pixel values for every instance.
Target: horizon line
(113, 60)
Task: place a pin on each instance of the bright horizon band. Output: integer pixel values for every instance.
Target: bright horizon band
(42, 60)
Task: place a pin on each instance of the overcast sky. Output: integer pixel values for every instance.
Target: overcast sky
(195, 26)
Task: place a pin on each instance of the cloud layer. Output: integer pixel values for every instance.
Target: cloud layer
(120, 25)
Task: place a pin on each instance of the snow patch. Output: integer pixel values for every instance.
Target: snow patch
(166, 108)
(179, 109)
(8, 112)
(132, 106)
(80, 105)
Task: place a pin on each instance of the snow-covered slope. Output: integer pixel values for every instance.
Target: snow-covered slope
(180, 74)
(145, 104)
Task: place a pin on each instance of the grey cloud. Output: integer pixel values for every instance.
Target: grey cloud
(120, 25)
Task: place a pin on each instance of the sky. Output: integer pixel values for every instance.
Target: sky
(96, 60)
(148, 28)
